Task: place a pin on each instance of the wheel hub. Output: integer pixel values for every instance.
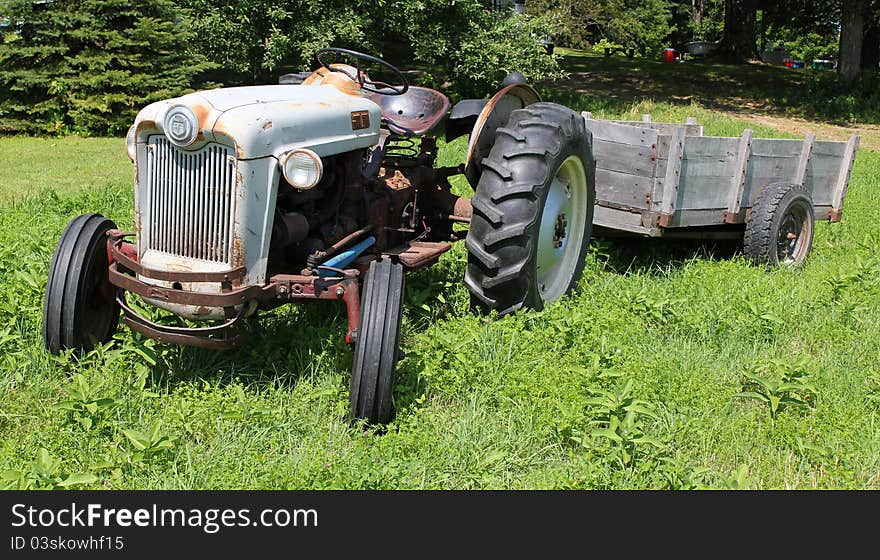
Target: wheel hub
(564, 215)
(560, 231)
(788, 239)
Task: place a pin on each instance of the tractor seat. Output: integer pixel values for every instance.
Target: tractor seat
(415, 112)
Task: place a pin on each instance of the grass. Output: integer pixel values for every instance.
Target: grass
(668, 368)
(28, 165)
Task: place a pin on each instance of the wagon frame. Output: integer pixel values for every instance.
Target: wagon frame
(659, 179)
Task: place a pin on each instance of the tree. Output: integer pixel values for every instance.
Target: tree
(852, 23)
(89, 65)
(642, 25)
(740, 17)
(462, 45)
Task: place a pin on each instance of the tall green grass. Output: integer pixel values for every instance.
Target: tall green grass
(636, 381)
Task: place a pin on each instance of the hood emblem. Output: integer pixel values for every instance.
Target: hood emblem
(181, 126)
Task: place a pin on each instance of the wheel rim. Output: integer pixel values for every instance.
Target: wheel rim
(560, 236)
(793, 236)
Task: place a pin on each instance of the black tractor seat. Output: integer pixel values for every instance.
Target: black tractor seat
(415, 112)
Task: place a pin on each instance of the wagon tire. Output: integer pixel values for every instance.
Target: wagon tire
(376, 348)
(533, 211)
(780, 228)
(79, 307)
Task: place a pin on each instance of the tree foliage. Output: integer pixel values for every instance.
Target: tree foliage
(89, 65)
(466, 47)
(643, 25)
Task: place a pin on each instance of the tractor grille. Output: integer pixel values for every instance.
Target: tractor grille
(191, 200)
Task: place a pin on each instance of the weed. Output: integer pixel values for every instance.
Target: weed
(617, 421)
(779, 383)
(45, 472)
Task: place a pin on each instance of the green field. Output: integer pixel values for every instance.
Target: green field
(673, 366)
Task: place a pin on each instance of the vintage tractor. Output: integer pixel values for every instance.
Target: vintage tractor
(248, 198)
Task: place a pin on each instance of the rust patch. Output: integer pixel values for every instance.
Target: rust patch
(238, 252)
(267, 125)
(202, 113)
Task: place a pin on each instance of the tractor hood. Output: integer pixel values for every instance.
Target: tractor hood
(263, 121)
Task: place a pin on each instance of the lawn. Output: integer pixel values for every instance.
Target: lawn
(654, 374)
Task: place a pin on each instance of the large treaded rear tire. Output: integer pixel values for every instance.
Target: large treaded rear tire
(376, 346)
(509, 202)
(80, 307)
(780, 227)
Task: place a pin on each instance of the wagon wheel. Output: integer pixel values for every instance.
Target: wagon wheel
(376, 346)
(80, 306)
(780, 229)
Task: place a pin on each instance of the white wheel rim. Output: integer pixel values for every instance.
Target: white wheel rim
(560, 238)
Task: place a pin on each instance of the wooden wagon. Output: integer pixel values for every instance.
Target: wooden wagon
(666, 179)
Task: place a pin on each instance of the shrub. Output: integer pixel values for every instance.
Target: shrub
(88, 66)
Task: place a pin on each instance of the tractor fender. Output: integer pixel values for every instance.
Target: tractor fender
(494, 115)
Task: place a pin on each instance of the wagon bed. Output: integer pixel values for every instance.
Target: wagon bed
(667, 179)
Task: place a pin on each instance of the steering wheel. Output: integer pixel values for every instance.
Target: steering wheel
(372, 86)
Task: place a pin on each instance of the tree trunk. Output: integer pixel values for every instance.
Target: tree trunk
(739, 29)
(871, 46)
(852, 23)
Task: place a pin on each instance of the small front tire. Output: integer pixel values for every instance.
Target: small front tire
(80, 306)
(376, 348)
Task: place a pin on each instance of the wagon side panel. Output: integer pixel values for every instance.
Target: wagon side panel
(626, 160)
(707, 170)
(770, 161)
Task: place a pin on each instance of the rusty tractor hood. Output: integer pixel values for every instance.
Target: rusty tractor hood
(264, 121)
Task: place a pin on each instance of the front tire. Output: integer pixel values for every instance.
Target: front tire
(376, 346)
(533, 211)
(80, 306)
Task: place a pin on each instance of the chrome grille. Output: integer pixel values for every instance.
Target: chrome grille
(190, 200)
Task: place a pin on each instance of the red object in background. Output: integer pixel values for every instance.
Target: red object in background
(668, 55)
(788, 62)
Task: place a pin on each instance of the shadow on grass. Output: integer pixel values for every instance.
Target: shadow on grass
(658, 256)
(615, 83)
(300, 341)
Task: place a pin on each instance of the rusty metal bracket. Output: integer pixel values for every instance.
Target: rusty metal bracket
(188, 336)
(184, 297)
(114, 247)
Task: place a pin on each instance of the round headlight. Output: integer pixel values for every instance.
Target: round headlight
(181, 126)
(130, 140)
(302, 168)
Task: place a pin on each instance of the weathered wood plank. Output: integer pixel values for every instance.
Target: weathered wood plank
(702, 192)
(665, 128)
(698, 217)
(673, 174)
(843, 177)
(624, 158)
(623, 134)
(623, 188)
(622, 220)
(737, 183)
(711, 147)
(800, 172)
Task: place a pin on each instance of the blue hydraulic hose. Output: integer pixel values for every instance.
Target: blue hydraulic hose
(344, 258)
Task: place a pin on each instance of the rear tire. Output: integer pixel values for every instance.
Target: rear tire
(780, 228)
(80, 306)
(376, 345)
(533, 211)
